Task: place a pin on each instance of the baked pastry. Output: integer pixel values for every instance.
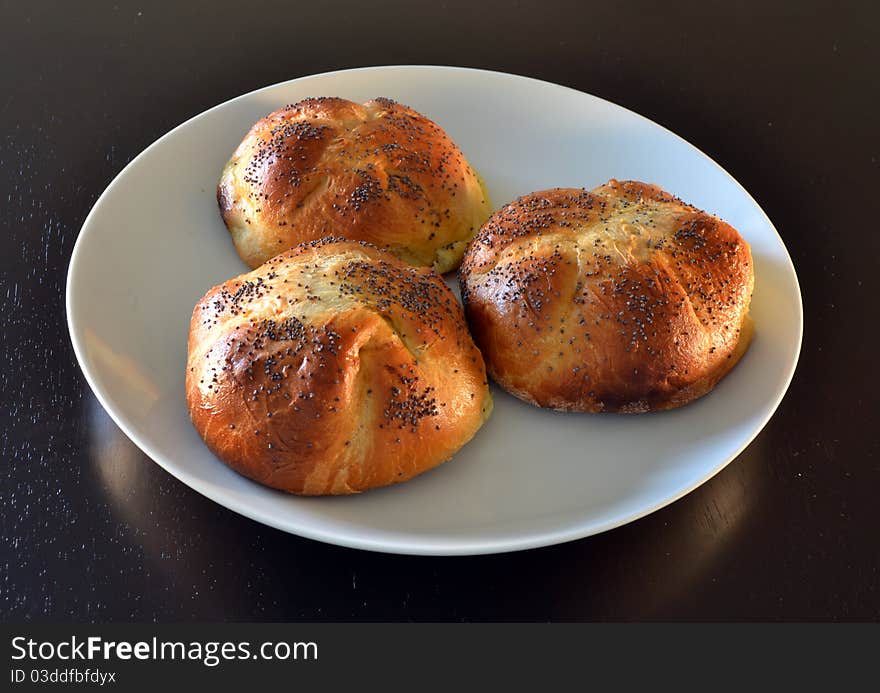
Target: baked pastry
(378, 172)
(334, 368)
(621, 299)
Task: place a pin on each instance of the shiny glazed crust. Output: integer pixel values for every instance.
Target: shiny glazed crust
(619, 299)
(332, 369)
(378, 172)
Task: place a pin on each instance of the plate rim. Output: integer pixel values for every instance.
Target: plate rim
(410, 545)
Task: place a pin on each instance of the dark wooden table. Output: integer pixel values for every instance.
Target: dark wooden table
(785, 98)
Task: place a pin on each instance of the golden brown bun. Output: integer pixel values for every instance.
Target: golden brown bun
(378, 172)
(622, 299)
(334, 368)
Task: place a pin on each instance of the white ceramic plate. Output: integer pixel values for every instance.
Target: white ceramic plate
(154, 243)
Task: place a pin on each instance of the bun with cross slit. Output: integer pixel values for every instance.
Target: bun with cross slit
(619, 299)
(378, 172)
(332, 369)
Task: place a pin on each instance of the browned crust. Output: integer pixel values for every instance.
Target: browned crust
(619, 299)
(379, 172)
(332, 369)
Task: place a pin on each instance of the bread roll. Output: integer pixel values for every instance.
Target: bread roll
(378, 172)
(621, 299)
(332, 369)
